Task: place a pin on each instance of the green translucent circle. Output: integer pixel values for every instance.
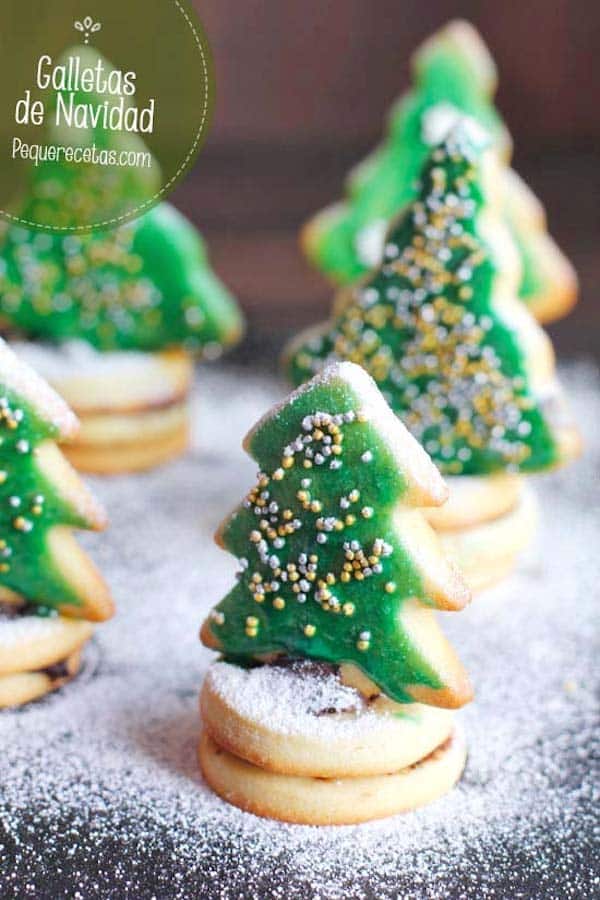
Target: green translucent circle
(104, 106)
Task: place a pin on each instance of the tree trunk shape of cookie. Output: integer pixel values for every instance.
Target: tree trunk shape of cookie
(41, 501)
(144, 285)
(439, 327)
(336, 560)
(454, 75)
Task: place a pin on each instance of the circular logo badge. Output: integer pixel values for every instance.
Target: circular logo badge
(104, 106)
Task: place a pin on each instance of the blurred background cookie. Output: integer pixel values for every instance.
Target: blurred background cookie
(51, 593)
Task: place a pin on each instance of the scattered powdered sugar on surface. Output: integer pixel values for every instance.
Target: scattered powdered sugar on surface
(101, 794)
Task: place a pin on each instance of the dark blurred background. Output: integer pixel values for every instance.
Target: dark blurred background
(303, 87)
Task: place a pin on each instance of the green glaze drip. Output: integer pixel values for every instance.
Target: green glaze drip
(446, 84)
(425, 326)
(30, 506)
(144, 286)
(323, 570)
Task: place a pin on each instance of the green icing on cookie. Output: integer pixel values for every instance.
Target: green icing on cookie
(31, 506)
(533, 284)
(324, 568)
(453, 75)
(426, 326)
(146, 285)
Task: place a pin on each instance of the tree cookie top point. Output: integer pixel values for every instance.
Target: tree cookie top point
(461, 40)
(43, 400)
(425, 485)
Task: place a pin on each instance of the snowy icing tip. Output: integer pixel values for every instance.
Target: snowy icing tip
(425, 483)
(466, 42)
(17, 376)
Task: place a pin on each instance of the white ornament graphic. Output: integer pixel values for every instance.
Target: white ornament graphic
(87, 27)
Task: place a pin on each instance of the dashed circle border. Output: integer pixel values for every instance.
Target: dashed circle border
(192, 152)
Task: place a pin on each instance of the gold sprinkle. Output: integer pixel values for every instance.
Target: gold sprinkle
(279, 603)
(390, 587)
(348, 609)
(309, 630)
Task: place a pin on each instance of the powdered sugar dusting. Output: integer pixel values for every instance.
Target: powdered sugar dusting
(76, 358)
(25, 628)
(101, 795)
(292, 701)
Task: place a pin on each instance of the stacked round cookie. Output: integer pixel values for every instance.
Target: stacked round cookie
(37, 654)
(485, 524)
(293, 740)
(132, 406)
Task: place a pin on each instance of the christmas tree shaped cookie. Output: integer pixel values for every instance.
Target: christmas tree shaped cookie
(454, 75)
(457, 357)
(332, 618)
(50, 592)
(119, 311)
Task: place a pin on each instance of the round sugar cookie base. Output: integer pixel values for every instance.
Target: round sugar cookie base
(474, 499)
(24, 687)
(486, 553)
(115, 457)
(270, 716)
(29, 643)
(119, 381)
(340, 801)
